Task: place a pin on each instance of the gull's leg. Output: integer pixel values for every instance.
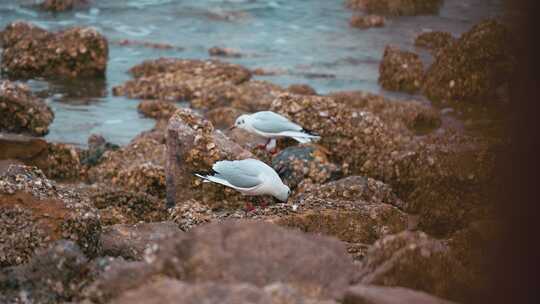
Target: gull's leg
(261, 146)
(271, 146)
(249, 207)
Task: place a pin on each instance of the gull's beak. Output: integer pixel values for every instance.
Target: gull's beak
(232, 127)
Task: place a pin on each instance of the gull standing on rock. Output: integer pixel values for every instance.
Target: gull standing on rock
(271, 125)
(248, 176)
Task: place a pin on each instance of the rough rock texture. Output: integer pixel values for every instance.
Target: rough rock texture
(396, 7)
(434, 41)
(173, 291)
(224, 52)
(30, 51)
(402, 117)
(135, 167)
(62, 5)
(193, 145)
(21, 111)
(223, 117)
(401, 70)
(473, 68)
(301, 89)
(97, 146)
(367, 21)
(53, 275)
(34, 212)
(176, 79)
(157, 109)
(200, 256)
(130, 241)
(372, 294)
(117, 206)
(414, 260)
(296, 163)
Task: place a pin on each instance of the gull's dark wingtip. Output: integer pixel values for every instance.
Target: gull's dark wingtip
(310, 132)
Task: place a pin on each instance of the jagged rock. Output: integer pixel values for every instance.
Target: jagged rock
(157, 109)
(193, 145)
(35, 212)
(296, 163)
(474, 67)
(371, 294)
(367, 21)
(21, 111)
(199, 256)
(401, 70)
(30, 51)
(177, 80)
(434, 41)
(54, 275)
(396, 7)
(301, 89)
(130, 241)
(414, 260)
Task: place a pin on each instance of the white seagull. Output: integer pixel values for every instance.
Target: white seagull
(248, 176)
(271, 125)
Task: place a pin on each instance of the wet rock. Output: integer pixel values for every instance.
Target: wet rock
(414, 260)
(403, 117)
(30, 51)
(177, 80)
(224, 52)
(174, 291)
(157, 109)
(472, 69)
(21, 111)
(367, 21)
(223, 117)
(97, 146)
(117, 206)
(193, 146)
(372, 294)
(434, 41)
(396, 7)
(135, 167)
(294, 164)
(199, 257)
(401, 71)
(63, 162)
(153, 45)
(62, 5)
(53, 275)
(35, 212)
(130, 241)
(301, 89)
(250, 96)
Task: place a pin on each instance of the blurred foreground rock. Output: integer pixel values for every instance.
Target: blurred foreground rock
(372, 294)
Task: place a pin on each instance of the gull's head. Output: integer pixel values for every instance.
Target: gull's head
(241, 122)
(283, 193)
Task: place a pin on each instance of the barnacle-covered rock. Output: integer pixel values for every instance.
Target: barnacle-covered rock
(401, 70)
(193, 146)
(35, 212)
(434, 41)
(367, 21)
(157, 109)
(224, 117)
(301, 89)
(21, 111)
(474, 67)
(30, 51)
(62, 5)
(396, 7)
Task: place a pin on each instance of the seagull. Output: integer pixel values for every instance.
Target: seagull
(248, 176)
(271, 125)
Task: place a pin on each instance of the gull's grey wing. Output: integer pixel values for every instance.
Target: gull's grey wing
(242, 174)
(270, 122)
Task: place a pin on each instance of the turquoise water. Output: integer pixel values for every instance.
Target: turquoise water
(304, 37)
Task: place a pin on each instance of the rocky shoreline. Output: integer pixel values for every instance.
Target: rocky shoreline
(393, 205)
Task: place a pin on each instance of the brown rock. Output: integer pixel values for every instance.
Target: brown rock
(401, 70)
(301, 89)
(371, 294)
(21, 111)
(396, 7)
(30, 51)
(130, 241)
(473, 68)
(62, 5)
(193, 145)
(200, 257)
(224, 52)
(366, 21)
(434, 41)
(157, 109)
(35, 212)
(223, 117)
